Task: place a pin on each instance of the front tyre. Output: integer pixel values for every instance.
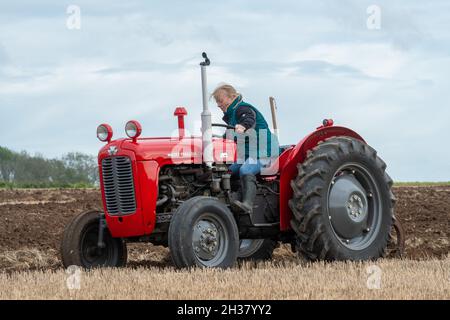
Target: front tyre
(256, 249)
(79, 245)
(342, 202)
(203, 232)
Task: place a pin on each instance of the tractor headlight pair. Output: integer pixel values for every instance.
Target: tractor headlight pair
(133, 130)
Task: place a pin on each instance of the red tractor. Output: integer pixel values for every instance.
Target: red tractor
(328, 196)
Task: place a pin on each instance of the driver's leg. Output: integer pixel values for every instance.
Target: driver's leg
(250, 167)
(235, 169)
(248, 173)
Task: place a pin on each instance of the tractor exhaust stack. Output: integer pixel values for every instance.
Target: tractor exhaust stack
(206, 117)
(273, 109)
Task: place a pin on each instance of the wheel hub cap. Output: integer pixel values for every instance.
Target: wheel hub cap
(205, 240)
(355, 206)
(348, 207)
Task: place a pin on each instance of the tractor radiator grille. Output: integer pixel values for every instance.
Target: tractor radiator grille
(118, 185)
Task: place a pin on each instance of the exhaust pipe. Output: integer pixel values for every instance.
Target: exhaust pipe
(273, 109)
(208, 158)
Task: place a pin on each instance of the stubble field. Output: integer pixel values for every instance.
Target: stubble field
(32, 221)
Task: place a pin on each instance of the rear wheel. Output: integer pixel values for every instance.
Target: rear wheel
(256, 249)
(203, 232)
(342, 204)
(79, 245)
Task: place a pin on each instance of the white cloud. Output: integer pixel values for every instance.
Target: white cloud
(139, 61)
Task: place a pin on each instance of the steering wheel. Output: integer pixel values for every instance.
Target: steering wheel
(222, 125)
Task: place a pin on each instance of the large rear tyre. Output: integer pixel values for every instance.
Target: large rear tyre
(203, 232)
(342, 202)
(79, 245)
(256, 249)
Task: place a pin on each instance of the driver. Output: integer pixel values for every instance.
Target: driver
(247, 121)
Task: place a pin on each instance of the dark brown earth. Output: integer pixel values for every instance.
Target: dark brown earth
(34, 220)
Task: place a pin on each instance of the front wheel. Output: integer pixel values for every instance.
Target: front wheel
(342, 202)
(256, 249)
(79, 245)
(203, 232)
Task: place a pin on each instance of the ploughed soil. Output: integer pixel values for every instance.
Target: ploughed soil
(32, 222)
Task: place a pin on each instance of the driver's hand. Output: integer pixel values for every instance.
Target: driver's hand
(239, 128)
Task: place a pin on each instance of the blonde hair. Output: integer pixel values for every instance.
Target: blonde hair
(229, 90)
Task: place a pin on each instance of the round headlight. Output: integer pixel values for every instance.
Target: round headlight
(104, 132)
(133, 129)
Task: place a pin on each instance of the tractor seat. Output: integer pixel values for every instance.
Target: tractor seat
(285, 147)
(274, 167)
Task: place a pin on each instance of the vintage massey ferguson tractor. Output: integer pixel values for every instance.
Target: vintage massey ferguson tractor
(328, 196)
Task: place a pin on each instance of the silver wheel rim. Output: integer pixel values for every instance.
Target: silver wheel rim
(354, 208)
(210, 240)
(248, 247)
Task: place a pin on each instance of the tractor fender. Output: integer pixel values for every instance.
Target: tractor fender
(289, 171)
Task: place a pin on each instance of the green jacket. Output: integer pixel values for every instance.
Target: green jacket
(253, 136)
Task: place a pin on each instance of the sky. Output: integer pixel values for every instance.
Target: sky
(381, 68)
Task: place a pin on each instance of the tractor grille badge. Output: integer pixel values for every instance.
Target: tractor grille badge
(112, 150)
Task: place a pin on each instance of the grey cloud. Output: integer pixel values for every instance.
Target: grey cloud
(140, 59)
(321, 68)
(297, 68)
(267, 68)
(146, 66)
(4, 59)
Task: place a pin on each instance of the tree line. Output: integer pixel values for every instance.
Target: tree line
(22, 170)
